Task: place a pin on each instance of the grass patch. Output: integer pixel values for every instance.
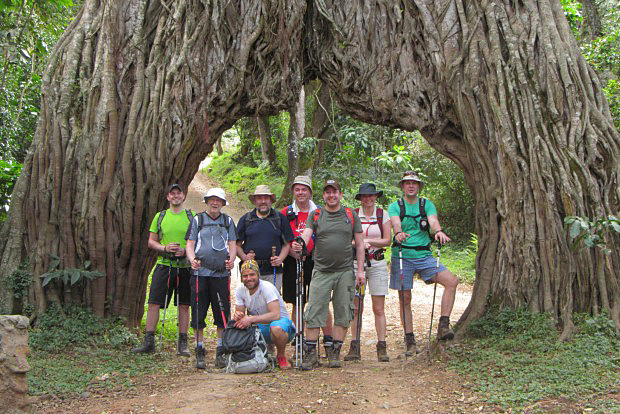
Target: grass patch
(513, 358)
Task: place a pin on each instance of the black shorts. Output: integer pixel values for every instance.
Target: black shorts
(289, 279)
(208, 289)
(160, 285)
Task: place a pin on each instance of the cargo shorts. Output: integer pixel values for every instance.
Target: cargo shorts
(337, 287)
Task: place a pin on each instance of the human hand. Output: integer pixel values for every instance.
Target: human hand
(442, 237)
(195, 264)
(238, 315)
(401, 236)
(276, 261)
(244, 322)
(180, 252)
(250, 255)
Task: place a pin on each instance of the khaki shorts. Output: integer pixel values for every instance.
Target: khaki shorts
(377, 277)
(339, 287)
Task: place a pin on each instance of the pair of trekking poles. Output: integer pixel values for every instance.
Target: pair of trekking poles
(163, 321)
(401, 293)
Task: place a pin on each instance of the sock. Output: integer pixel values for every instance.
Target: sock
(328, 340)
(444, 318)
(219, 341)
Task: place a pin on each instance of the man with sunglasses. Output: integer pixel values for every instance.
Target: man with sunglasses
(211, 250)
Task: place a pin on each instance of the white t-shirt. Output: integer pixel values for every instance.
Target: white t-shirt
(372, 231)
(256, 304)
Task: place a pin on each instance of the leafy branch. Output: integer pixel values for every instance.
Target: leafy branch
(68, 276)
(591, 233)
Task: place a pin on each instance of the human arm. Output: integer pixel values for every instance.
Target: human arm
(277, 260)
(273, 314)
(440, 235)
(305, 235)
(386, 239)
(360, 257)
(399, 235)
(232, 254)
(191, 256)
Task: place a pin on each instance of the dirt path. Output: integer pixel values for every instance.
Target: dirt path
(400, 386)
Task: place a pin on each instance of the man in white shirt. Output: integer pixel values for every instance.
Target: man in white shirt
(259, 302)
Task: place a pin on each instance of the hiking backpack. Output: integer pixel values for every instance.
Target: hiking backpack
(424, 225)
(201, 223)
(349, 215)
(245, 349)
(379, 221)
(162, 213)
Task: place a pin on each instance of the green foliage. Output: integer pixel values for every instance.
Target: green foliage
(68, 276)
(75, 328)
(461, 259)
(612, 90)
(9, 172)
(513, 358)
(591, 233)
(20, 280)
(572, 11)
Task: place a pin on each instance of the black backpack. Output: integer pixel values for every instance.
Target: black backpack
(202, 219)
(424, 225)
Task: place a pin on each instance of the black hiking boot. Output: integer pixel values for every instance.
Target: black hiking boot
(410, 344)
(354, 351)
(182, 347)
(200, 357)
(444, 332)
(382, 355)
(311, 359)
(333, 355)
(148, 346)
(328, 342)
(220, 358)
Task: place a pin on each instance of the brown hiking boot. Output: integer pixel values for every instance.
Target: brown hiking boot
(311, 359)
(148, 346)
(410, 344)
(333, 355)
(354, 351)
(444, 332)
(382, 355)
(182, 346)
(200, 357)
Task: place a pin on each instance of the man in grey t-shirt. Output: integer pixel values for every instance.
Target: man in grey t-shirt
(265, 307)
(211, 250)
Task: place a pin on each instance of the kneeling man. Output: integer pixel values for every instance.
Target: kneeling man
(264, 307)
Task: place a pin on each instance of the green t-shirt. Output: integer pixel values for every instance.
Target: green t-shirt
(332, 245)
(411, 225)
(173, 229)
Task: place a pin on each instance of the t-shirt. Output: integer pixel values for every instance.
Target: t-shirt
(371, 228)
(259, 234)
(173, 230)
(256, 304)
(298, 225)
(411, 225)
(332, 245)
(212, 243)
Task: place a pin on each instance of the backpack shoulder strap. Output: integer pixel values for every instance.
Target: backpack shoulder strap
(159, 220)
(401, 206)
(422, 203)
(380, 220)
(349, 214)
(315, 218)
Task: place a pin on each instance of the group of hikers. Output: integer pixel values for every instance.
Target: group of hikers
(304, 255)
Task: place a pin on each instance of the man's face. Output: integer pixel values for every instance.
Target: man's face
(175, 197)
(411, 188)
(332, 196)
(214, 205)
(301, 193)
(263, 203)
(249, 278)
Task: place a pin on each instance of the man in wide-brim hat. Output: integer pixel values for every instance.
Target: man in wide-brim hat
(260, 231)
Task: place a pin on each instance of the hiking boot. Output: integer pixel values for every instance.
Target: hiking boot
(221, 361)
(410, 344)
(200, 358)
(444, 332)
(354, 351)
(333, 355)
(328, 343)
(148, 346)
(382, 355)
(311, 359)
(182, 347)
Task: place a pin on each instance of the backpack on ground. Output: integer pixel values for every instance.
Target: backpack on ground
(245, 349)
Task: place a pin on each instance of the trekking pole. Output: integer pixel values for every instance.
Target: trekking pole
(163, 321)
(273, 253)
(298, 316)
(430, 328)
(177, 295)
(221, 305)
(197, 306)
(359, 292)
(401, 292)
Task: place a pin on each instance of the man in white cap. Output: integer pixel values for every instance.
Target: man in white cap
(413, 219)
(263, 235)
(211, 249)
(297, 215)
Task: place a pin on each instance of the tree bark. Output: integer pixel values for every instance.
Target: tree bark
(266, 144)
(135, 95)
(137, 92)
(321, 122)
(296, 131)
(501, 89)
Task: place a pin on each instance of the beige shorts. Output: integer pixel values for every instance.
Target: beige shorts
(337, 287)
(377, 277)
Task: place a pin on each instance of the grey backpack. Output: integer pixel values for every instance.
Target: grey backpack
(246, 350)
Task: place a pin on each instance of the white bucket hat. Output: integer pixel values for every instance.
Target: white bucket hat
(216, 192)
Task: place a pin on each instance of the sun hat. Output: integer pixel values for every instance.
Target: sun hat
(411, 176)
(262, 190)
(216, 192)
(332, 183)
(368, 189)
(303, 180)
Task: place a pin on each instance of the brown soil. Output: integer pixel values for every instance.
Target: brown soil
(418, 384)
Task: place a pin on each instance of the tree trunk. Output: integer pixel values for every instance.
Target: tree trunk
(266, 144)
(137, 92)
(135, 95)
(296, 131)
(321, 122)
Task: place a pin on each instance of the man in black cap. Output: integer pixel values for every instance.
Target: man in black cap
(167, 237)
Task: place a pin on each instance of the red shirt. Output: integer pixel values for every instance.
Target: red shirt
(298, 225)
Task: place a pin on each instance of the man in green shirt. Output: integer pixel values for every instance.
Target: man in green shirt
(334, 227)
(172, 271)
(413, 218)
